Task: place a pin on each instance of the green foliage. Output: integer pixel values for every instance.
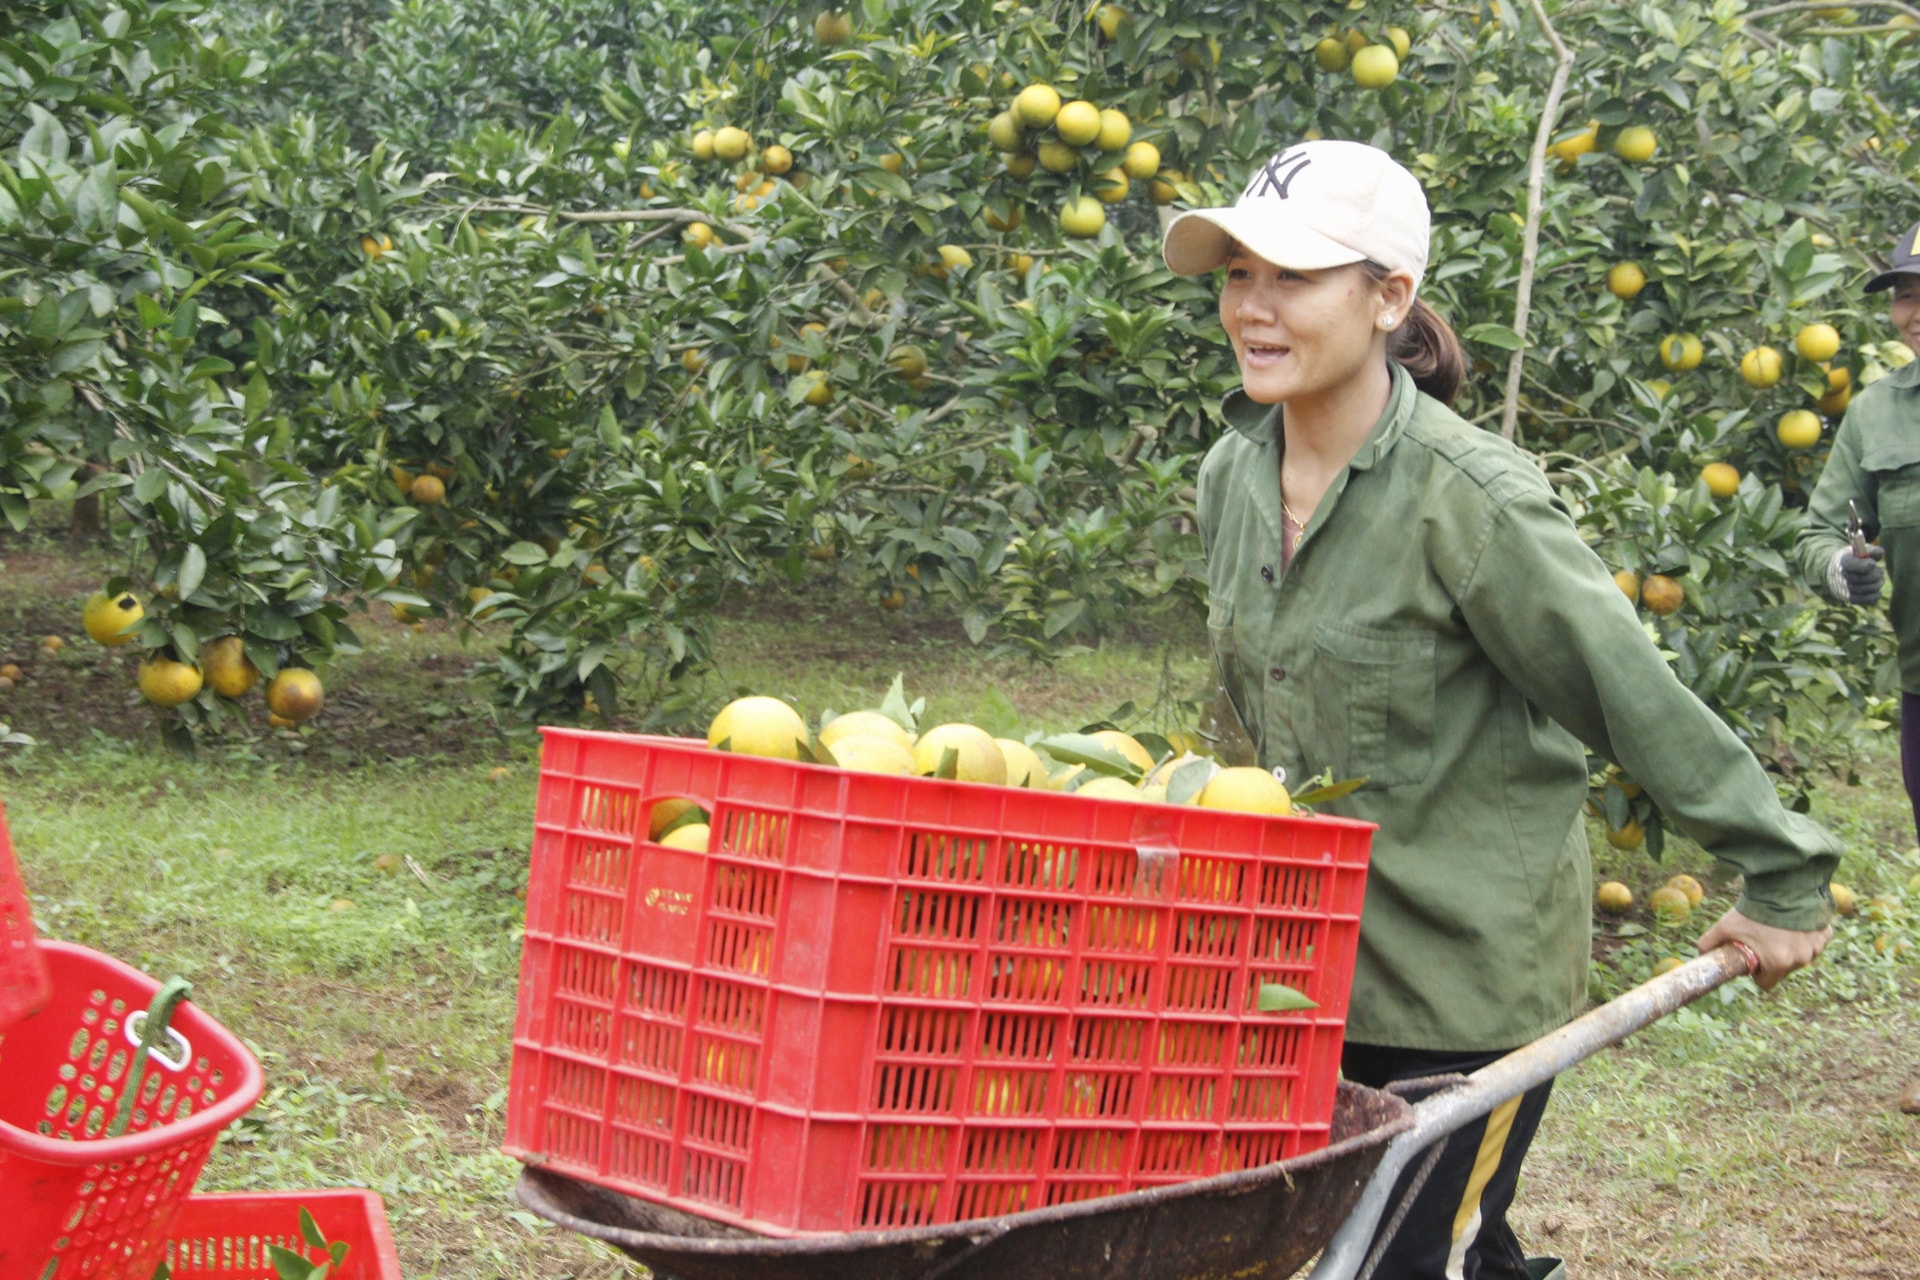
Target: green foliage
(275, 261)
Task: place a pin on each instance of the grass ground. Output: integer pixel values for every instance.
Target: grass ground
(1754, 1135)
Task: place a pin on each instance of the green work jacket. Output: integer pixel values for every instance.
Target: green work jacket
(1875, 462)
(1444, 632)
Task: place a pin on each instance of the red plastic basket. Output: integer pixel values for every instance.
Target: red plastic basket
(79, 1205)
(225, 1237)
(24, 984)
(880, 1002)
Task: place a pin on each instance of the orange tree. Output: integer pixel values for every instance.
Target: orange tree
(670, 300)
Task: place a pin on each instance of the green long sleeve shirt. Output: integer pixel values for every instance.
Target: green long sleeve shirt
(1444, 632)
(1875, 462)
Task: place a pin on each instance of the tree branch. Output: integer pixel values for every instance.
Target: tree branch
(1530, 244)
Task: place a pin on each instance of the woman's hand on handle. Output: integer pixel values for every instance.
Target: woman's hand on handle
(1781, 951)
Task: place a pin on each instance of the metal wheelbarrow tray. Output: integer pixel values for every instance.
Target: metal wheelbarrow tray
(1256, 1224)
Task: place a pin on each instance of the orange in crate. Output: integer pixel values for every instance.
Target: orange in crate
(881, 1002)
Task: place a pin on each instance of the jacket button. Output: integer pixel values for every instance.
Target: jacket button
(1278, 673)
(1266, 572)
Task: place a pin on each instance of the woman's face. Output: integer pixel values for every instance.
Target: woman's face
(1301, 334)
(1906, 310)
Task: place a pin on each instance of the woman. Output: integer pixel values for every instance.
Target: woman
(1398, 595)
(1874, 469)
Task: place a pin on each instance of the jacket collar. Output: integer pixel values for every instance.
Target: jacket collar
(1906, 377)
(1260, 423)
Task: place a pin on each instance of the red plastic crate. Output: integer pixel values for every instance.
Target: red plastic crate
(77, 1204)
(882, 1002)
(225, 1237)
(24, 983)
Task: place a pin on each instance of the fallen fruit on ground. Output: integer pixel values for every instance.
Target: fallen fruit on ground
(110, 620)
(295, 694)
(1667, 965)
(1613, 897)
(1689, 886)
(1670, 904)
(1246, 789)
(977, 756)
(1843, 899)
(759, 726)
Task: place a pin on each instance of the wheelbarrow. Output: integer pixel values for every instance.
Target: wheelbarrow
(1255, 1224)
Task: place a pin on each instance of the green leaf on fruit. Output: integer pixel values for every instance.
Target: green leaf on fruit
(1330, 792)
(1187, 781)
(1086, 750)
(949, 764)
(895, 707)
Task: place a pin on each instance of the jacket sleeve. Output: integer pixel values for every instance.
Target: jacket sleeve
(1547, 613)
(1825, 532)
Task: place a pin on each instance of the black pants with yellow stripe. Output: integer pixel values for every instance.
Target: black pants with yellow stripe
(1457, 1228)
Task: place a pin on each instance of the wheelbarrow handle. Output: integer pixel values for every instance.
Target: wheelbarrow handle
(1523, 1069)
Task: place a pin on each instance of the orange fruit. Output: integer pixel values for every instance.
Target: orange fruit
(1662, 595)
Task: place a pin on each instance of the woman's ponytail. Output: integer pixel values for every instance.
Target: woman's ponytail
(1425, 346)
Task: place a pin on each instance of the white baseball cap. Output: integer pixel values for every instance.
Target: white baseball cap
(1315, 205)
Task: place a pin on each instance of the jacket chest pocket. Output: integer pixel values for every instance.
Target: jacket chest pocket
(1373, 703)
(1898, 499)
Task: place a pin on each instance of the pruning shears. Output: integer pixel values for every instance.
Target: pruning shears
(1856, 532)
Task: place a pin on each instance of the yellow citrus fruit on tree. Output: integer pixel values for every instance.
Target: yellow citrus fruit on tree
(1111, 187)
(832, 28)
(1005, 135)
(866, 724)
(693, 360)
(1838, 395)
(1332, 54)
(295, 694)
(429, 491)
(1115, 129)
(1689, 886)
(910, 361)
(1661, 594)
(1681, 351)
(1083, 217)
(776, 159)
(692, 837)
(814, 389)
(1613, 897)
(1761, 367)
(703, 145)
(1635, 144)
(873, 753)
(1077, 123)
(1626, 280)
(1142, 162)
(1670, 904)
(1627, 837)
(1817, 342)
(1246, 789)
(673, 811)
(1574, 145)
(1015, 215)
(1402, 42)
(758, 726)
(731, 143)
(1375, 67)
(1023, 766)
(167, 683)
(953, 258)
(228, 669)
(1058, 157)
(1799, 429)
(893, 162)
(1106, 787)
(1723, 479)
(1023, 165)
(977, 757)
(111, 619)
(1037, 105)
(1629, 583)
(1843, 899)
(698, 234)
(1111, 18)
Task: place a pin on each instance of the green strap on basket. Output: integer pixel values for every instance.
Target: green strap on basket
(172, 992)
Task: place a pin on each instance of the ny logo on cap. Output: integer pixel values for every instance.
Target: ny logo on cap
(1276, 176)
